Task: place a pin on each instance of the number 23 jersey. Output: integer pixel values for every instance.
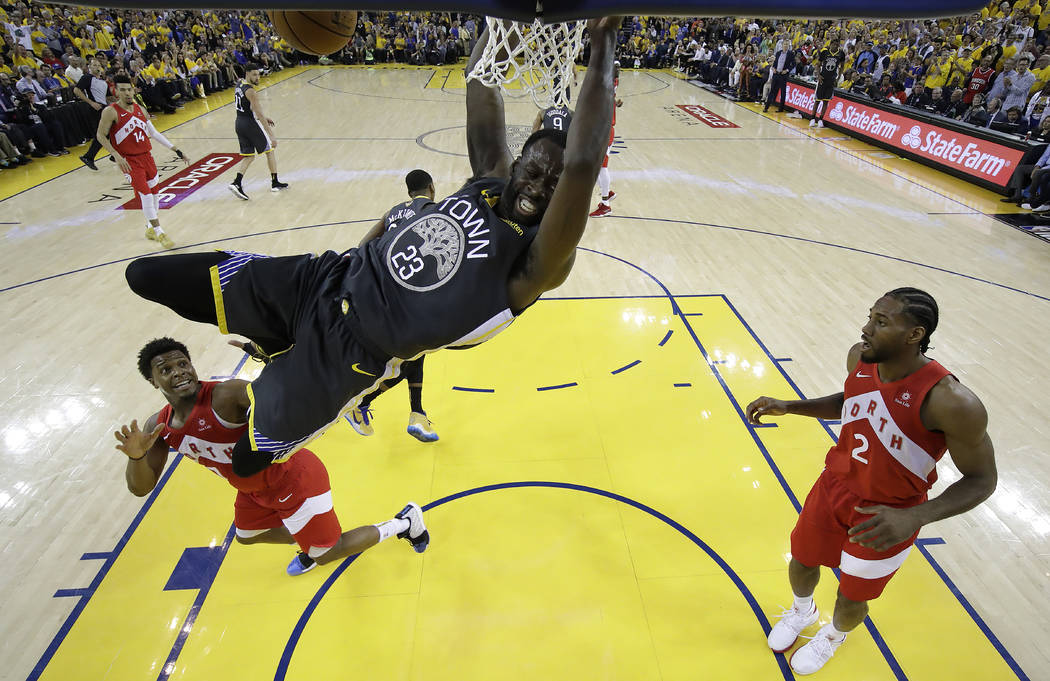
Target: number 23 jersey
(439, 278)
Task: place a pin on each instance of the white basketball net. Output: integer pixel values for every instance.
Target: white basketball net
(539, 56)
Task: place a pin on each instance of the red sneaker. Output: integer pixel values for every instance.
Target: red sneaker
(610, 197)
(602, 209)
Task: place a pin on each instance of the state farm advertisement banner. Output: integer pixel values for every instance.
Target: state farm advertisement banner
(973, 156)
(188, 180)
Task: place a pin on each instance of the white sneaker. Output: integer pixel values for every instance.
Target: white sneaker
(794, 114)
(820, 124)
(1041, 209)
(1026, 206)
(813, 122)
(416, 534)
(786, 631)
(815, 654)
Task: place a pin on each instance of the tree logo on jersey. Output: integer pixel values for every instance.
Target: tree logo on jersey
(426, 253)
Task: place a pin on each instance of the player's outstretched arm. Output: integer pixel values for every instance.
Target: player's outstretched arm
(827, 407)
(486, 123)
(552, 251)
(147, 453)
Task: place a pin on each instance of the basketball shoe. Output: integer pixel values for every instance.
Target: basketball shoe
(419, 427)
(610, 197)
(602, 209)
(786, 631)
(301, 564)
(416, 534)
(89, 162)
(815, 654)
(235, 187)
(277, 186)
(361, 420)
(161, 237)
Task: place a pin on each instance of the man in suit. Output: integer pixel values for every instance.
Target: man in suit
(782, 64)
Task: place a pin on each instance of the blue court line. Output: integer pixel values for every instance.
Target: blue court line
(236, 369)
(65, 593)
(921, 544)
(683, 385)
(191, 616)
(89, 591)
(297, 632)
(888, 655)
(180, 248)
(474, 390)
(102, 555)
(626, 367)
(694, 314)
(666, 338)
(817, 242)
(782, 359)
(557, 387)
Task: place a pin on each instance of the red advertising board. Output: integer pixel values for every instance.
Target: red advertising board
(973, 156)
(706, 116)
(188, 180)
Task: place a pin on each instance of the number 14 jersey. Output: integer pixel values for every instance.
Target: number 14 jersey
(129, 135)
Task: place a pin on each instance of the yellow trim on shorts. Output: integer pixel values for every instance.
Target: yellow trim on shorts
(251, 417)
(220, 307)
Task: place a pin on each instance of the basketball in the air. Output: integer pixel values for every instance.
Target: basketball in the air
(317, 33)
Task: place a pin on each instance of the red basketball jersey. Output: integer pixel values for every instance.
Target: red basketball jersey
(128, 134)
(209, 441)
(884, 453)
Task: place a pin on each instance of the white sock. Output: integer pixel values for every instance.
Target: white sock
(804, 604)
(832, 632)
(604, 182)
(392, 528)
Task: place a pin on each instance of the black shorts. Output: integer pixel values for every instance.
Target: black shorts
(323, 370)
(252, 137)
(825, 91)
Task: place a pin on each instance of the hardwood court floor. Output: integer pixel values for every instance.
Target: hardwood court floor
(651, 538)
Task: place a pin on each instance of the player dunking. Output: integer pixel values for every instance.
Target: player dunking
(124, 131)
(455, 275)
(604, 183)
(287, 503)
(254, 132)
(421, 193)
(831, 62)
(900, 411)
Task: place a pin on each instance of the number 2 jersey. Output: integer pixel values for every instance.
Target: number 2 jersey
(438, 278)
(209, 440)
(884, 453)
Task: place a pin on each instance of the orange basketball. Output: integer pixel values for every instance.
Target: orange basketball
(317, 33)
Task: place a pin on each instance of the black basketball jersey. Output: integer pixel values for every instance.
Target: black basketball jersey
(829, 65)
(241, 101)
(406, 210)
(557, 118)
(439, 278)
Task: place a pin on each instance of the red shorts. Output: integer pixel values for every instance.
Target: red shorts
(821, 537)
(301, 501)
(143, 175)
(612, 138)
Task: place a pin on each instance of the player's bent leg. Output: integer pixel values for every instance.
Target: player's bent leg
(180, 282)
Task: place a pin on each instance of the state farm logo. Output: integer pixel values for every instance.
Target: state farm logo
(188, 180)
(912, 138)
(706, 116)
(836, 113)
(801, 99)
(970, 156)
